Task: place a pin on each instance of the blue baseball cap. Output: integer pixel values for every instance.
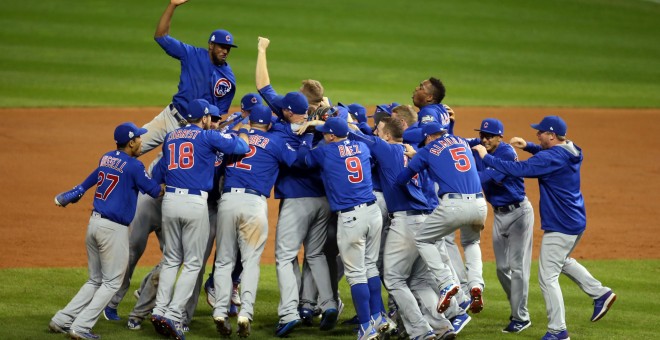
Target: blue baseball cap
(492, 126)
(198, 108)
(430, 129)
(214, 111)
(335, 126)
(358, 112)
(387, 108)
(261, 114)
(296, 102)
(249, 100)
(552, 124)
(340, 112)
(127, 131)
(222, 37)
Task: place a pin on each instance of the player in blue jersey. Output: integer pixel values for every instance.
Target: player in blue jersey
(346, 172)
(462, 205)
(118, 178)
(243, 216)
(247, 102)
(556, 163)
(189, 154)
(428, 96)
(205, 74)
(512, 226)
(304, 216)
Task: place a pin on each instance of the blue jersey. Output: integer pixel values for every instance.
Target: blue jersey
(500, 189)
(433, 113)
(450, 164)
(189, 153)
(118, 179)
(200, 78)
(272, 99)
(258, 169)
(558, 171)
(346, 171)
(391, 161)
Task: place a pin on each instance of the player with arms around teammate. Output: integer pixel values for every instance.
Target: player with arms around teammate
(243, 217)
(513, 223)
(189, 154)
(118, 178)
(205, 74)
(556, 163)
(462, 205)
(346, 172)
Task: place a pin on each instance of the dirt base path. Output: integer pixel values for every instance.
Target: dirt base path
(46, 151)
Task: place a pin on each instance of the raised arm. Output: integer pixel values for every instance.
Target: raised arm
(163, 27)
(262, 78)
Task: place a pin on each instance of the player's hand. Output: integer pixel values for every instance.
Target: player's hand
(162, 190)
(263, 43)
(452, 115)
(410, 151)
(518, 142)
(178, 2)
(481, 150)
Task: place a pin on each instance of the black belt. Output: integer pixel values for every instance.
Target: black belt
(98, 214)
(507, 208)
(185, 191)
(357, 206)
(241, 190)
(453, 195)
(414, 213)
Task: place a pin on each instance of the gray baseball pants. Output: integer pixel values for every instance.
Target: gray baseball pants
(159, 127)
(107, 258)
(358, 240)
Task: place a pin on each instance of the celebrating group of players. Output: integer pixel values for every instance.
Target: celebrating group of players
(379, 205)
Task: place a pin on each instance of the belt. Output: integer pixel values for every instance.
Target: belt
(98, 214)
(186, 191)
(453, 195)
(357, 206)
(242, 191)
(412, 213)
(507, 208)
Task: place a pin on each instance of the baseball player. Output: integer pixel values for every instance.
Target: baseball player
(304, 214)
(243, 216)
(556, 163)
(205, 74)
(462, 205)
(346, 170)
(189, 154)
(247, 102)
(428, 96)
(118, 178)
(512, 226)
(408, 210)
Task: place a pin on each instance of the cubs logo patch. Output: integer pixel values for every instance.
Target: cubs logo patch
(254, 100)
(213, 38)
(228, 38)
(427, 119)
(485, 125)
(222, 87)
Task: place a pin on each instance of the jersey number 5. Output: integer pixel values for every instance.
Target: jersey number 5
(185, 159)
(354, 166)
(114, 179)
(461, 160)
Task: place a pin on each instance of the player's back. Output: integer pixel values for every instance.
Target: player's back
(452, 165)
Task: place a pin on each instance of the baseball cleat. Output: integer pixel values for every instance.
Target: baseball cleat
(284, 329)
(477, 304)
(460, 321)
(368, 333)
(55, 328)
(222, 325)
(307, 316)
(448, 334)
(233, 310)
(174, 329)
(563, 335)
(209, 288)
(602, 305)
(236, 295)
(134, 324)
(110, 314)
(428, 336)
(329, 319)
(445, 297)
(516, 326)
(159, 325)
(82, 335)
(244, 327)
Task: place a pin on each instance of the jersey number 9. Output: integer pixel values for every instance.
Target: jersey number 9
(354, 166)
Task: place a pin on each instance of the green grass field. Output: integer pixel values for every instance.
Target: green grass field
(30, 297)
(587, 53)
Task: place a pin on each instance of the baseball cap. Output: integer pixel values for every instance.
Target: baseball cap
(222, 37)
(127, 131)
(214, 111)
(198, 108)
(296, 102)
(249, 100)
(552, 124)
(358, 112)
(492, 126)
(335, 126)
(387, 108)
(430, 129)
(339, 112)
(261, 114)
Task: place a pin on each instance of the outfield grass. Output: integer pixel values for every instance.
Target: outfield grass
(589, 53)
(30, 297)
